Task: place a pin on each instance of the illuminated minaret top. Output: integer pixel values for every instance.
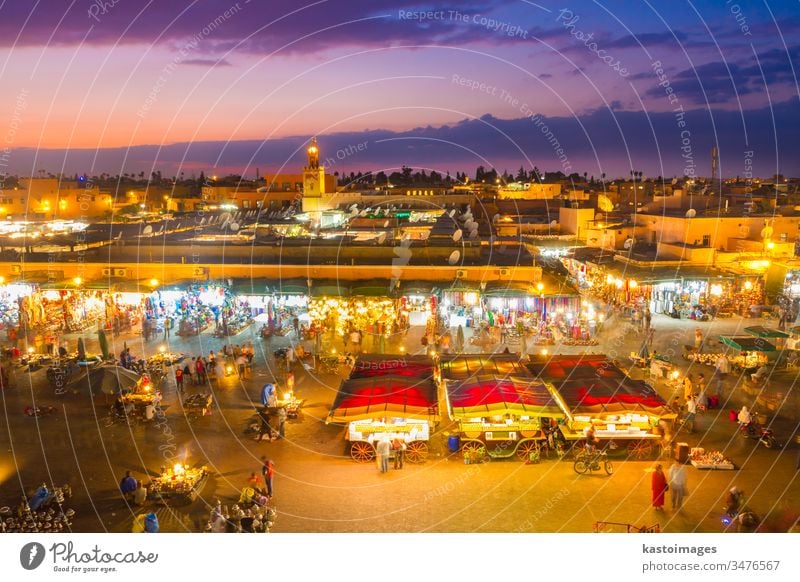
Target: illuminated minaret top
(313, 155)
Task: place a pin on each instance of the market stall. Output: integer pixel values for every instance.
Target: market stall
(417, 303)
(502, 414)
(596, 393)
(753, 352)
(759, 331)
(461, 306)
(388, 398)
(179, 484)
(702, 459)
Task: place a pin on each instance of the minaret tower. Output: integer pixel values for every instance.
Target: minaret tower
(313, 174)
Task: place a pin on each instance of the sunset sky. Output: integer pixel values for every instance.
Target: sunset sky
(227, 86)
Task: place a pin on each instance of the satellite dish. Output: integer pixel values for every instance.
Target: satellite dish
(691, 213)
(454, 256)
(473, 235)
(495, 218)
(354, 212)
(553, 224)
(473, 227)
(381, 238)
(352, 206)
(202, 221)
(234, 226)
(457, 235)
(147, 230)
(363, 212)
(386, 224)
(628, 243)
(452, 213)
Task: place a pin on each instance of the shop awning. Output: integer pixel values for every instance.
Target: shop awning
(372, 288)
(386, 397)
(559, 368)
(508, 289)
(747, 343)
(373, 366)
(129, 286)
(252, 286)
(610, 395)
(329, 288)
(290, 286)
(466, 366)
(593, 385)
(59, 285)
(491, 395)
(418, 287)
(761, 331)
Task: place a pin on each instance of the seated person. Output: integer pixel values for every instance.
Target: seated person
(760, 374)
(674, 313)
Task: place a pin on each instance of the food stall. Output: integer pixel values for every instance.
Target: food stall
(501, 409)
(753, 352)
(596, 393)
(388, 397)
(702, 459)
(143, 395)
(461, 306)
(762, 332)
(178, 484)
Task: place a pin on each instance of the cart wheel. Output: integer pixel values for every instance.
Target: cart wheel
(362, 452)
(417, 452)
(473, 448)
(640, 450)
(525, 449)
(580, 466)
(608, 467)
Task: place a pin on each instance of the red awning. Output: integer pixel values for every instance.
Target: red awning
(386, 396)
(518, 396)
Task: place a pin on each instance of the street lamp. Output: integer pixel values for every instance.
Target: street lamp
(77, 281)
(154, 283)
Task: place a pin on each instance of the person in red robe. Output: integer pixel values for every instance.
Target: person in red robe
(658, 487)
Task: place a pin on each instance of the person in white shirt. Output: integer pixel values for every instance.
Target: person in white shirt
(691, 411)
(744, 416)
(676, 476)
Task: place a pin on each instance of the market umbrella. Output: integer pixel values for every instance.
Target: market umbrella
(81, 350)
(108, 379)
(101, 337)
(460, 339)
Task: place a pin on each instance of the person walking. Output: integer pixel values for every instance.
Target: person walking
(691, 412)
(658, 487)
(382, 449)
(677, 484)
(698, 339)
(399, 448)
(267, 473)
(688, 387)
(167, 327)
(179, 380)
(282, 422)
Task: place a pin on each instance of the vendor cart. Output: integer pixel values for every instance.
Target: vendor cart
(627, 414)
(387, 397)
(501, 409)
(179, 484)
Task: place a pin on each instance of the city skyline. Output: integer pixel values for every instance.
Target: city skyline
(234, 86)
